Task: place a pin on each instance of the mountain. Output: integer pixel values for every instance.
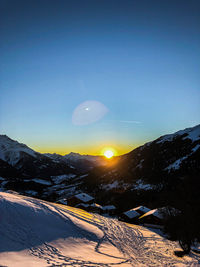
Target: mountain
(39, 233)
(83, 163)
(150, 172)
(49, 176)
(29, 172)
(153, 174)
(29, 162)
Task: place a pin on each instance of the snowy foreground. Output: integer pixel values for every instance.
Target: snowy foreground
(38, 233)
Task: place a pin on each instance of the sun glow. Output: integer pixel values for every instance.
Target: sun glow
(108, 154)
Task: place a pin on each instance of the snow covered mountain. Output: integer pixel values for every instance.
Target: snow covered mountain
(47, 176)
(145, 176)
(29, 162)
(39, 233)
(149, 171)
(11, 151)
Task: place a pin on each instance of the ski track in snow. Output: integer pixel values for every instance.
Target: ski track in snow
(134, 242)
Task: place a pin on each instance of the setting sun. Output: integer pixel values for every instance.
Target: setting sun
(108, 154)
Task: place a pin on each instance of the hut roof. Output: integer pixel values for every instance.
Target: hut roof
(155, 213)
(96, 205)
(143, 209)
(131, 214)
(109, 207)
(84, 197)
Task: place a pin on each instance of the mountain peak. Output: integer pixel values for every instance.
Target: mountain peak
(10, 150)
(192, 133)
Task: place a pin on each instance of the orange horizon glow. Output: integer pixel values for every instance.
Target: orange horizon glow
(92, 152)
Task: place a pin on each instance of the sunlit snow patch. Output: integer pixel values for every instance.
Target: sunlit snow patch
(88, 112)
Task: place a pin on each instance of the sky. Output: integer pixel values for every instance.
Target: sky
(83, 75)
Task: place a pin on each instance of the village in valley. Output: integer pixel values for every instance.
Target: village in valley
(137, 215)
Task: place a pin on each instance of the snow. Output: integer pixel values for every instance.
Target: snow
(96, 205)
(60, 178)
(140, 185)
(176, 164)
(132, 214)
(40, 181)
(84, 175)
(196, 148)
(110, 186)
(84, 197)
(10, 150)
(140, 164)
(193, 134)
(38, 233)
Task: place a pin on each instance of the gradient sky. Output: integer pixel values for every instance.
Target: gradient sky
(140, 59)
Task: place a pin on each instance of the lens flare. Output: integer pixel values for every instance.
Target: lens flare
(88, 112)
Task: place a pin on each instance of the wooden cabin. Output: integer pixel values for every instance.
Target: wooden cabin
(96, 208)
(62, 201)
(109, 209)
(80, 198)
(130, 216)
(154, 217)
(142, 210)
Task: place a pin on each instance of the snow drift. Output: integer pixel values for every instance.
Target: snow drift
(39, 233)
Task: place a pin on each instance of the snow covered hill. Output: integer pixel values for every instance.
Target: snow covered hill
(29, 162)
(38, 233)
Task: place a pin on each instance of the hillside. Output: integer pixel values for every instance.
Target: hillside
(38, 233)
(28, 162)
(153, 174)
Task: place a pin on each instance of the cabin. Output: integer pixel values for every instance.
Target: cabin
(142, 210)
(96, 208)
(109, 209)
(80, 198)
(130, 216)
(153, 217)
(62, 201)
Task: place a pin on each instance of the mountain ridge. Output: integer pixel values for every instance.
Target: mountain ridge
(151, 169)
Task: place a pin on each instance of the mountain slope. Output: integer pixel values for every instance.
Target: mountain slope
(28, 162)
(45, 234)
(158, 166)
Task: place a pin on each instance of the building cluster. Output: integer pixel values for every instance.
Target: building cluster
(138, 215)
(87, 202)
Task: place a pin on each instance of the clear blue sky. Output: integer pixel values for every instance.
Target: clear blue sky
(140, 59)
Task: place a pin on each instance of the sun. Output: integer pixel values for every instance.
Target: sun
(108, 154)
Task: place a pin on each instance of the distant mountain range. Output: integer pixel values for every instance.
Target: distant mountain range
(80, 162)
(29, 163)
(152, 174)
